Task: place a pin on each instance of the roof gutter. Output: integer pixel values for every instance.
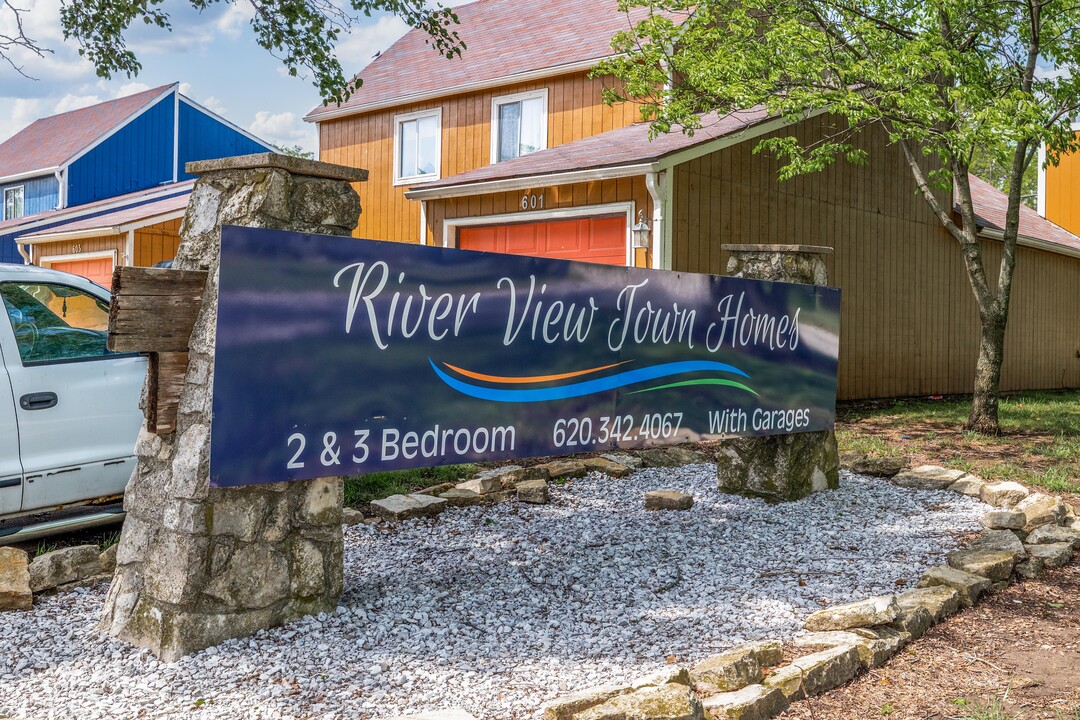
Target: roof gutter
(1032, 242)
(29, 174)
(343, 111)
(484, 187)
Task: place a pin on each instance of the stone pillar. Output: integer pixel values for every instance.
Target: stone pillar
(198, 565)
(779, 467)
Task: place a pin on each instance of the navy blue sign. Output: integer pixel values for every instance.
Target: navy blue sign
(338, 356)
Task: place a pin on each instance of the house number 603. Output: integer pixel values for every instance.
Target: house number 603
(532, 202)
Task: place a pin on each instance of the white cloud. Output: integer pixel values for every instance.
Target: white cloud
(214, 105)
(20, 113)
(234, 20)
(358, 48)
(283, 129)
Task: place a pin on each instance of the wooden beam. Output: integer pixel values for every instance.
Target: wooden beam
(154, 309)
(165, 382)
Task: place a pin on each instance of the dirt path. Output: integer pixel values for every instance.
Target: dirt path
(1022, 644)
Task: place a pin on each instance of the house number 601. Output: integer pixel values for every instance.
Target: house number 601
(532, 202)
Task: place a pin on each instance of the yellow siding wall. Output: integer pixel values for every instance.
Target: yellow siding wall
(909, 322)
(575, 110)
(1063, 193)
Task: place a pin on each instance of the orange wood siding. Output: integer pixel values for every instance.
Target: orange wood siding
(575, 110)
(153, 244)
(76, 247)
(1063, 193)
(578, 195)
(909, 322)
(156, 243)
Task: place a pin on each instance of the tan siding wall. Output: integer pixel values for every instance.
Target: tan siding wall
(909, 322)
(600, 192)
(575, 110)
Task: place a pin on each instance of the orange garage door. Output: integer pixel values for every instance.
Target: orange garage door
(97, 269)
(599, 240)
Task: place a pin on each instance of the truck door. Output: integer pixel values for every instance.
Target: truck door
(10, 467)
(77, 404)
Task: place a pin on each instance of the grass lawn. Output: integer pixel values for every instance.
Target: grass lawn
(361, 489)
(1040, 444)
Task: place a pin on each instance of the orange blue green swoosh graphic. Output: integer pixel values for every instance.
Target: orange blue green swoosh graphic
(580, 388)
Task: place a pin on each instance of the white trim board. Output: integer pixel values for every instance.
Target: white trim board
(436, 113)
(533, 216)
(30, 174)
(519, 98)
(48, 260)
(530, 181)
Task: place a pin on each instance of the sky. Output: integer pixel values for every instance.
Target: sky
(212, 54)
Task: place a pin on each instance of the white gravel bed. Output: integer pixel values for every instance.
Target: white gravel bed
(498, 609)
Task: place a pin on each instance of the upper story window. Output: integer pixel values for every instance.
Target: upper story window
(417, 146)
(518, 125)
(13, 203)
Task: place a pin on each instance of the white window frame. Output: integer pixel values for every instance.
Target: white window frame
(13, 188)
(452, 225)
(518, 97)
(417, 179)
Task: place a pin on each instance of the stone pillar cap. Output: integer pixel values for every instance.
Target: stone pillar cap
(288, 163)
(811, 249)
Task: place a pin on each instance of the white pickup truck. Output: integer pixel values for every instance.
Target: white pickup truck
(69, 408)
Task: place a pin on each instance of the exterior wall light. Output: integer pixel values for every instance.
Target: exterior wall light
(641, 231)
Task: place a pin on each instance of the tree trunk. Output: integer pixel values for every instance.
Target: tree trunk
(984, 400)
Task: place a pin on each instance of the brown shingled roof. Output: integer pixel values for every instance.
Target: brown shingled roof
(503, 38)
(991, 204)
(51, 141)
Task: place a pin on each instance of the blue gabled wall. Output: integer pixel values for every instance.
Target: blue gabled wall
(137, 157)
(39, 194)
(203, 137)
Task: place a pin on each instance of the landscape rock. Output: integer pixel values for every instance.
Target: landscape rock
(914, 621)
(561, 469)
(403, 507)
(459, 497)
(992, 564)
(873, 651)
(674, 456)
(1051, 555)
(508, 476)
(15, 593)
(668, 500)
(779, 467)
(928, 477)
(864, 613)
(625, 459)
(533, 491)
(351, 516)
(672, 674)
(479, 485)
(816, 673)
(875, 466)
(940, 601)
(1003, 494)
(1040, 509)
(436, 490)
(662, 702)
(64, 566)
(107, 559)
(1053, 534)
(1003, 540)
(967, 585)
(737, 667)
(1004, 520)
(608, 467)
(566, 706)
(969, 485)
(754, 702)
